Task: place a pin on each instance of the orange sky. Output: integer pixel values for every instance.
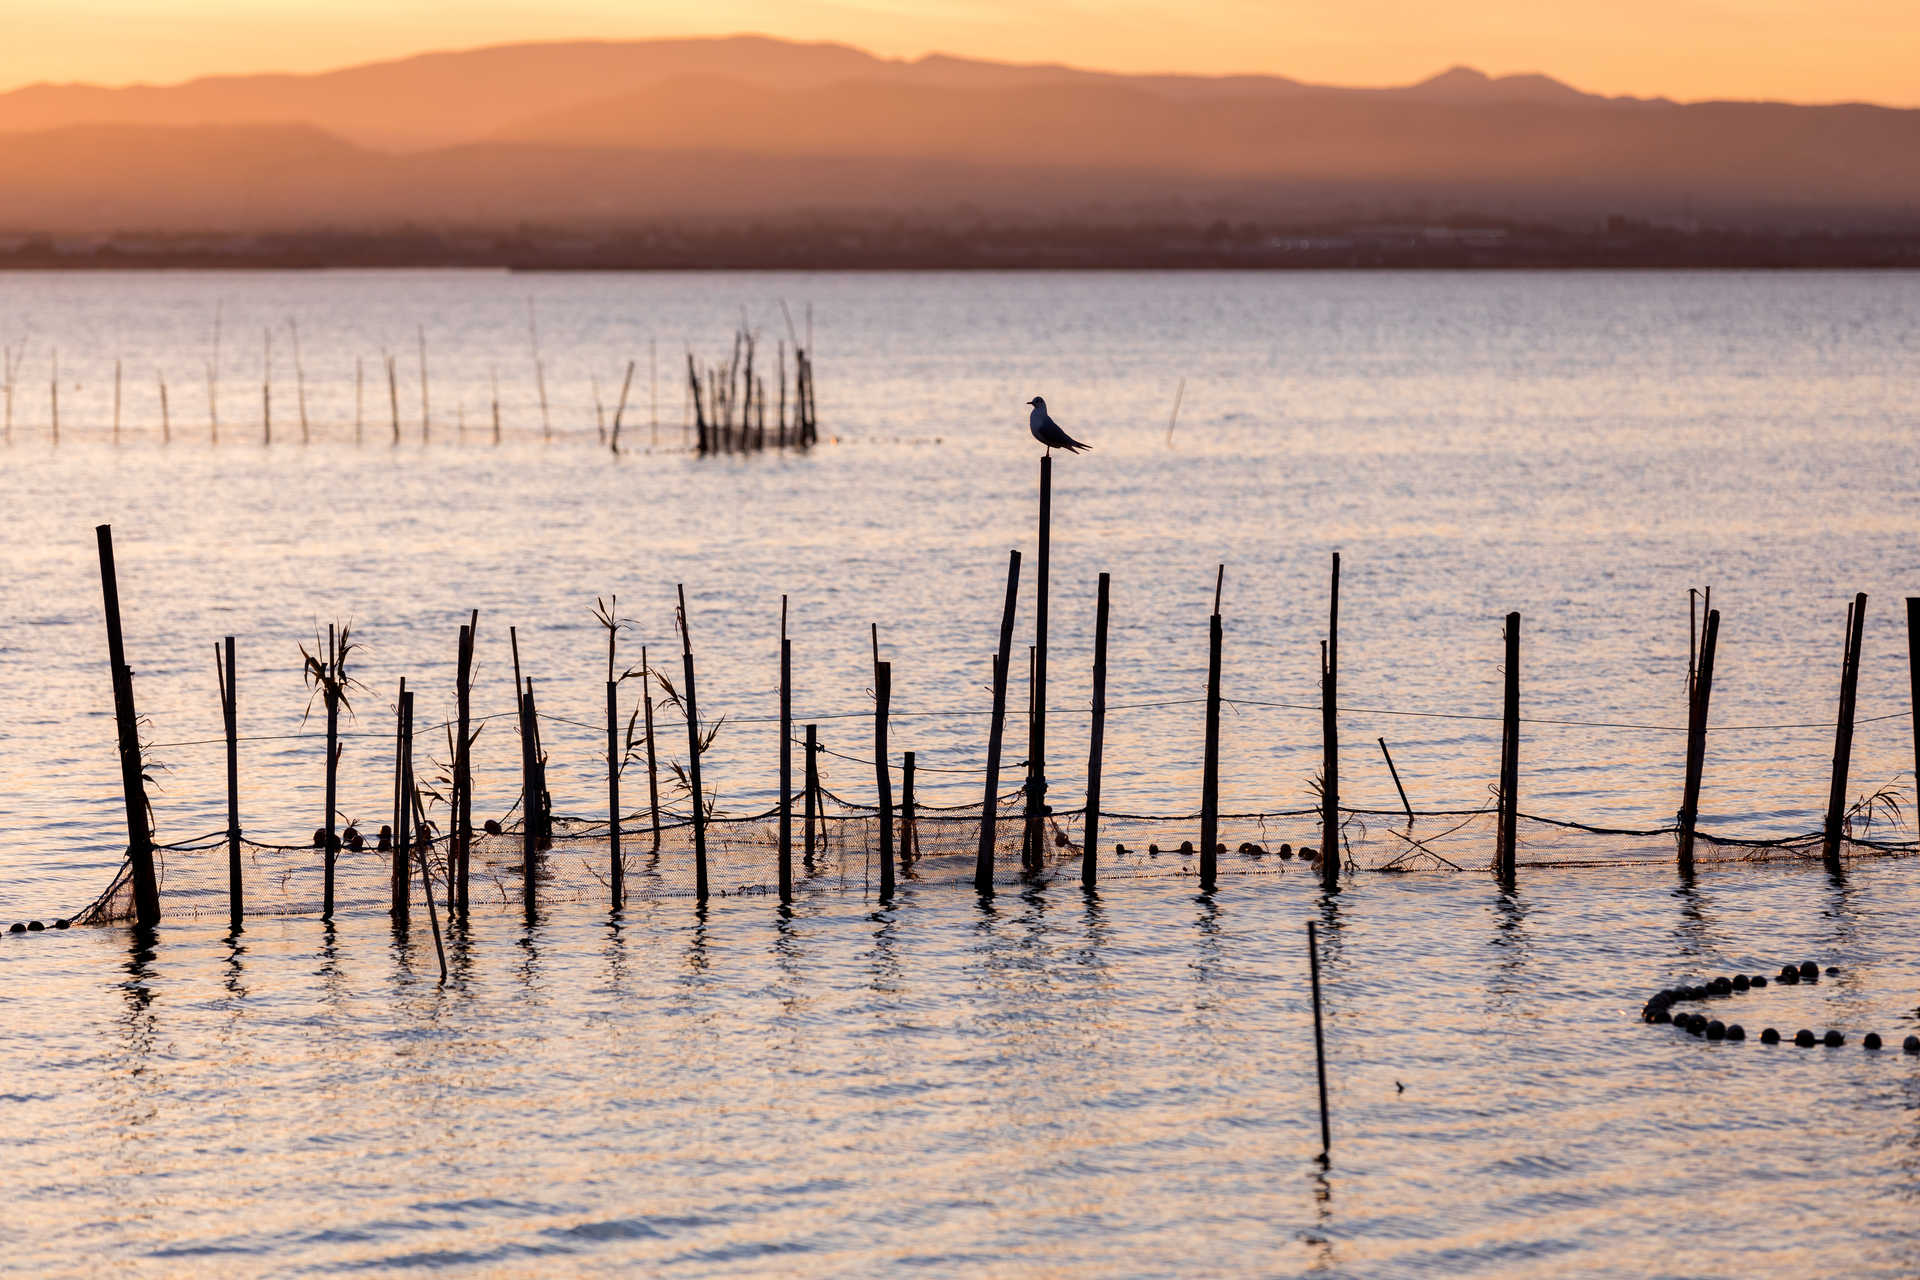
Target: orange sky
(1800, 50)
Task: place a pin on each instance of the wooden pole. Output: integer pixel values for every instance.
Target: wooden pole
(399, 875)
(1210, 766)
(1096, 740)
(1319, 1038)
(1697, 707)
(1330, 740)
(616, 865)
(426, 416)
(529, 796)
(1034, 842)
(230, 718)
(996, 733)
(299, 379)
(266, 388)
(166, 419)
(1510, 757)
(653, 775)
(620, 409)
(883, 772)
(693, 755)
(809, 802)
(146, 889)
(1843, 734)
(493, 380)
(1404, 803)
(424, 843)
(786, 758)
(393, 396)
(332, 846)
(1913, 678)
(460, 815)
(908, 836)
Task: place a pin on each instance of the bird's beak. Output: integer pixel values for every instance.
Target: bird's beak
(1029, 402)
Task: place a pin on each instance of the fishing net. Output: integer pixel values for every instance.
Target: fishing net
(938, 846)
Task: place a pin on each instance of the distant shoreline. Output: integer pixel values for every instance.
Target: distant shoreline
(1623, 247)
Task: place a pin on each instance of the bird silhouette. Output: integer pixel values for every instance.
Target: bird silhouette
(1048, 432)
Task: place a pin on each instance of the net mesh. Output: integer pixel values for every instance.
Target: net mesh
(938, 846)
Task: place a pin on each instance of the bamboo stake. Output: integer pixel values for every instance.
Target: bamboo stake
(493, 380)
(1913, 678)
(616, 865)
(1032, 840)
(398, 878)
(1330, 740)
(425, 844)
(166, 423)
(1510, 757)
(1210, 766)
(1096, 741)
(230, 717)
(693, 756)
(393, 396)
(621, 408)
(146, 889)
(786, 758)
(909, 835)
(331, 697)
(996, 730)
(1396, 783)
(653, 776)
(809, 801)
(1697, 707)
(299, 380)
(266, 388)
(426, 415)
(460, 814)
(882, 701)
(1834, 833)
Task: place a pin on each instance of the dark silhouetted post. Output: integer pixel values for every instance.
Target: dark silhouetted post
(1330, 740)
(883, 774)
(1508, 834)
(1319, 1038)
(1396, 783)
(996, 732)
(1096, 740)
(1843, 733)
(146, 889)
(693, 754)
(330, 694)
(400, 875)
(1210, 761)
(809, 812)
(1037, 722)
(1697, 707)
(786, 758)
(529, 797)
(230, 717)
(1913, 678)
(461, 812)
(616, 864)
(653, 773)
(909, 837)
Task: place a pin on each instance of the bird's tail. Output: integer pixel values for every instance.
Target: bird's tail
(1075, 446)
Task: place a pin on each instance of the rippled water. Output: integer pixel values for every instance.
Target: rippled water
(1052, 1085)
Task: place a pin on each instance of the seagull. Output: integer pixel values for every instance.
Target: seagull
(1048, 432)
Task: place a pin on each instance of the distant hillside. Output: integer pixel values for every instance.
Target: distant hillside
(754, 128)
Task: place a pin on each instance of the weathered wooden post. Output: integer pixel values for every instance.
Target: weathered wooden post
(996, 731)
(693, 756)
(1096, 741)
(786, 758)
(399, 875)
(1913, 678)
(146, 889)
(1508, 836)
(1404, 802)
(461, 811)
(1330, 740)
(653, 773)
(1210, 762)
(330, 693)
(909, 837)
(1843, 734)
(616, 865)
(883, 772)
(1698, 705)
(809, 814)
(1034, 838)
(230, 717)
(529, 797)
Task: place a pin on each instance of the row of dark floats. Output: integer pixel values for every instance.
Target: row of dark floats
(1659, 1009)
